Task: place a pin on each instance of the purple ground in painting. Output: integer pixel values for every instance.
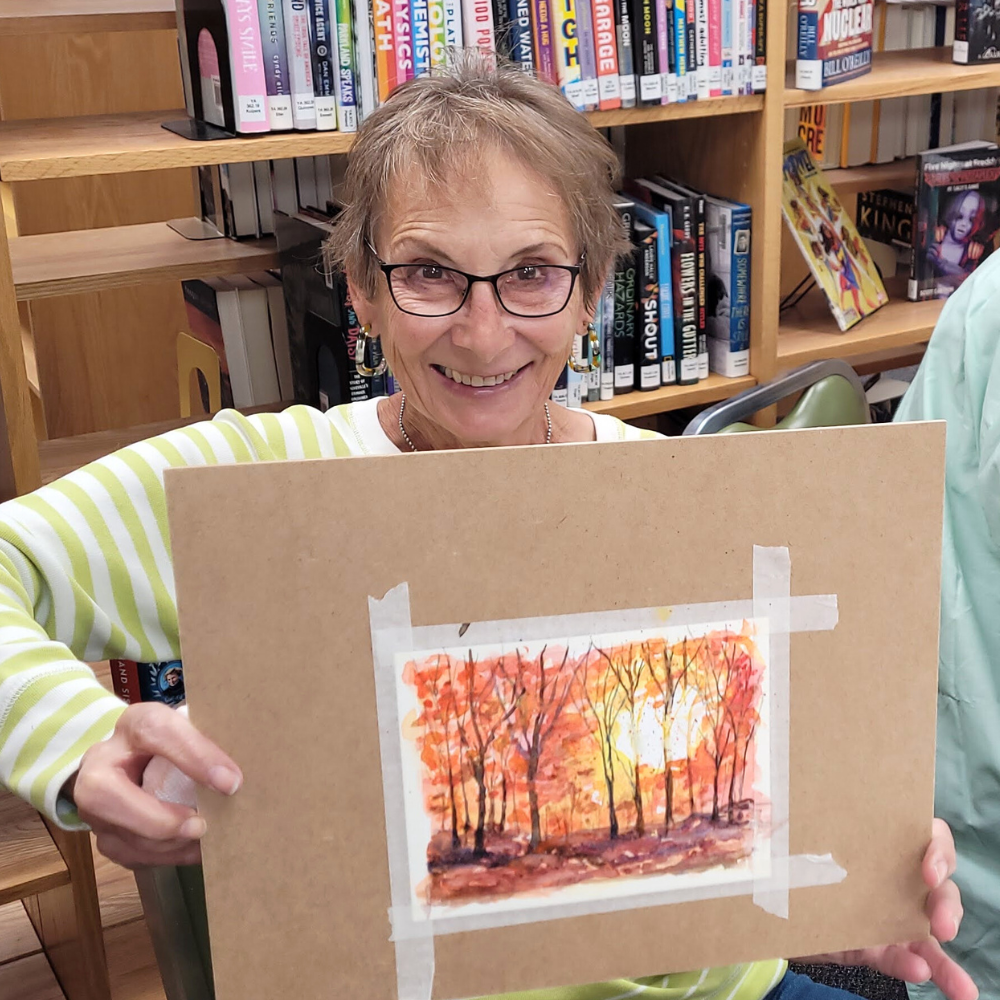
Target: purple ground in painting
(695, 844)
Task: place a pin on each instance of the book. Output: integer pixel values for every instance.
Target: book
(668, 74)
(454, 35)
(134, 681)
(246, 62)
(680, 48)
(420, 23)
(560, 391)
(606, 308)
(626, 56)
(586, 53)
(646, 51)
(758, 71)
(477, 24)
(828, 240)
(305, 176)
(647, 307)
(359, 387)
(834, 41)
(568, 72)
(624, 313)
(606, 53)
(363, 36)
(820, 127)
(264, 196)
(437, 34)
(714, 48)
(691, 48)
(886, 217)
(543, 35)
(977, 32)
(239, 201)
(279, 332)
(402, 40)
(385, 48)
(346, 79)
(728, 235)
(957, 201)
(246, 333)
(672, 92)
(728, 27)
(701, 46)
(522, 47)
(210, 196)
(275, 50)
(300, 74)
(284, 186)
(661, 222)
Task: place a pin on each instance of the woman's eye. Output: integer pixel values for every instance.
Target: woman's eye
(431, 271)
(528, 273)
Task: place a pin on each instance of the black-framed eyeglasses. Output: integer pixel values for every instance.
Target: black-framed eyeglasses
(431, 290)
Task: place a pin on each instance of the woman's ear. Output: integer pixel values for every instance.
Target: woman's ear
(363, 306)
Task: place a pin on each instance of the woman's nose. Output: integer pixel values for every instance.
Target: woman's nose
(482, 323)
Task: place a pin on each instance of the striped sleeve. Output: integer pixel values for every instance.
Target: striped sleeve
(86, 574)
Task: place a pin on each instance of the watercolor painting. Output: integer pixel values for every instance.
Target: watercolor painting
(585, 765)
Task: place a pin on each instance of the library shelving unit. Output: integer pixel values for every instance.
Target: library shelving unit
(729, 145)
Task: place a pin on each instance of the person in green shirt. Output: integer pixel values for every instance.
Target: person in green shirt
(478, 228)
(959, 381)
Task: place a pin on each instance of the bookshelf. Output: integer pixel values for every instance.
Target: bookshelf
(730, 145)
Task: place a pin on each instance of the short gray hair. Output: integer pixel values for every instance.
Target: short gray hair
(450, 120)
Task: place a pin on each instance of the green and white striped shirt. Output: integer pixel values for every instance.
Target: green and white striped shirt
(86, 574)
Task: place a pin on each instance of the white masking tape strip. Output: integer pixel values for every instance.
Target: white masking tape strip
(390, 630)
(772, 583)
(807, 613)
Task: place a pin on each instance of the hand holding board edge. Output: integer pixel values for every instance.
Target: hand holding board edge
(273, 586)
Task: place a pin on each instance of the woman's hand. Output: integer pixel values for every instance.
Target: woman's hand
(132, 826)
(923, 960)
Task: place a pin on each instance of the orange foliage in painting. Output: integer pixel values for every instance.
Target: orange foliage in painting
(541, 768)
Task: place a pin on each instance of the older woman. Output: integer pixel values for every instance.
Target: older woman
(478, 230)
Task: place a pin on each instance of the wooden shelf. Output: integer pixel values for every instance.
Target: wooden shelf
(92, 259)
(35, 17)
(899, 74)
(900, 175)
(672, 397)
(30, 862)
(808, 331)
(109, 144)
(672, 112)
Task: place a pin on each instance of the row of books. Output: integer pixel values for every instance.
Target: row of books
(325, 64)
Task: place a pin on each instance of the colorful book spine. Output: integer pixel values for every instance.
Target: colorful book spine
(272, 40)
(834, 42)
(134, 682)
(624, 317)
(587, 54)
(694, 226)
(701, 46)
(960, 47)
(663, 50)
(546, 46)
(402, 38)
(385, 48)
(477, 24)
(646, 51)
(606, 50)
(246, 61)
(567, 52)
(758, 78)
(647, 308)
(729, 231)
(680, 48)
(300, 75)
(626, 55)
(363, 35)
(437, 34)
(323, 65)
(420, 22)
(522, 48)
(727, 47)
(742, 44)
(607, 311)
(673, 94)
(751, 35)
(714, 48)
(691, 52)
(454, 36)
(662, 223)
(347, 68)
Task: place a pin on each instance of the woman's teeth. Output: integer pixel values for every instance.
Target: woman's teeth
(476, 380)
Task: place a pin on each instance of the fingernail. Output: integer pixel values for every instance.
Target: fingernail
(941, 870)
(193, 828)
(225, 780)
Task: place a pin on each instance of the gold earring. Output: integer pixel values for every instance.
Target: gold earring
(582, 368)
(361, 353)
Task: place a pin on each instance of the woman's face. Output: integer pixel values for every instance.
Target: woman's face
(965, 221)
(507, 218)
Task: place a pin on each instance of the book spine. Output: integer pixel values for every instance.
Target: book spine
(567, 53)
(624, 325)
(402, 40)
(740, 242)
(574, 388)
(680, 48)
(546, 55)
(673, 94)
(246, 59)
(647, 63)
(454, 36)
(714, 48)
(272, 39)
(698, 204)
(727, 47)
(502, 38)
(606, 50)
(522, 44)
(437, 36)
(691, 50)
(363, 35)
(960, 47)
(648, 313)
(626, 53)
(701, 46)
(668, 340)
(324, 70)
(685, 278)
(420, 21)
(347, 63)
(758, 77)
(663, 49)
(607, 308)
(300, 73)
(125, 680)
(587, 53)
(594, 356)
(477, 24)
(808, 65)
(560, 391)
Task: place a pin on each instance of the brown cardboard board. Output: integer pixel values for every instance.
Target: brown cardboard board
(275, 564)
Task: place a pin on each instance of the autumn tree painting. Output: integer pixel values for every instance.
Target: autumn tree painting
(569, 761)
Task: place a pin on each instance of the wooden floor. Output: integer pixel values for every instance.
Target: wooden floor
(25, 973)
